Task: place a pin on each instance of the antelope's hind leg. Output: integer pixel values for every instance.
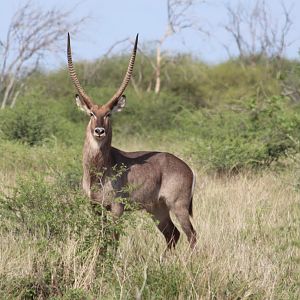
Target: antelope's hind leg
(183, 217)
(180, 204)
(166, 226)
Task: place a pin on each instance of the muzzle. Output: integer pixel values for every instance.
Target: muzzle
(99, 132)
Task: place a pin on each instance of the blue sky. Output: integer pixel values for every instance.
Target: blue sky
(113, 20)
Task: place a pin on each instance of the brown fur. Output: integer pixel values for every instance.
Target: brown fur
(160, 181)
(157, 182)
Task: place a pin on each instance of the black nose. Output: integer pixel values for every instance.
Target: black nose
(99, 130)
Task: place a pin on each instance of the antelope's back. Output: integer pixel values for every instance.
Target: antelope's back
(154, 174)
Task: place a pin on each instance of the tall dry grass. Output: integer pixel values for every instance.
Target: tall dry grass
(248, 248)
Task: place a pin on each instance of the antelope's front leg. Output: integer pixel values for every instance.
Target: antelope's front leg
(117, 209)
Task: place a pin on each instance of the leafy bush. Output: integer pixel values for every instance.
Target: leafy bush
(32, 123)
(55, 208)
(148, 115)
(27, 123)
(254, 136)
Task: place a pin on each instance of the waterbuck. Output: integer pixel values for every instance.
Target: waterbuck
(162, 183)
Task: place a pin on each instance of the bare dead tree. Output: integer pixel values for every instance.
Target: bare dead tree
(178, 20)
(32, 33)
(255, 30)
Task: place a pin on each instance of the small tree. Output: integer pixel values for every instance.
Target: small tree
(178, 19)
(32, 33)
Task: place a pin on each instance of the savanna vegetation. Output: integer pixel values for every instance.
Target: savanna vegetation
(234, 123)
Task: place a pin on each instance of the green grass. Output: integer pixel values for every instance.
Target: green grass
(248, 230)
(228, 121)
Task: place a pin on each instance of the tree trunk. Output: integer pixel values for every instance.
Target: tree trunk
(157, 71)
(7, 92)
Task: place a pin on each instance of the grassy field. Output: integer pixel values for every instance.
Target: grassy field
(230, 122)
(248, 230)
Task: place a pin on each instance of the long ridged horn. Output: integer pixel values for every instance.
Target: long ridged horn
(74, 77)
(127, 77)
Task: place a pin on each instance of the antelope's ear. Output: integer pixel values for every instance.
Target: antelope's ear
(120, 104)
(81, 104)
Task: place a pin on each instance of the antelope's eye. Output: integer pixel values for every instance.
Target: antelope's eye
(108, 115)
(92, 114)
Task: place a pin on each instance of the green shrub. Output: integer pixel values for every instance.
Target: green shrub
(254, 136)
(147, 115)
(50, 211)
(55, 208)
(27, 123)
(33, 123)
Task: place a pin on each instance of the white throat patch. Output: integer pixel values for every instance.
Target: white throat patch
(94, 144)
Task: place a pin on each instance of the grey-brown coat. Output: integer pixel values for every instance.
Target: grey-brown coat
(158, 182)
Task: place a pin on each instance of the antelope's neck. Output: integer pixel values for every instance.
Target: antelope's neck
(96, 160)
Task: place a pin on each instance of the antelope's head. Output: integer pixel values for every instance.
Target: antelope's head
(99, 124)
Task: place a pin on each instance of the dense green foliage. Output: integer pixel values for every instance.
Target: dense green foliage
(253, 136)
(229, 116)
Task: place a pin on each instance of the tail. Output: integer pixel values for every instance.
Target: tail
(191, 207)
(192, 193)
